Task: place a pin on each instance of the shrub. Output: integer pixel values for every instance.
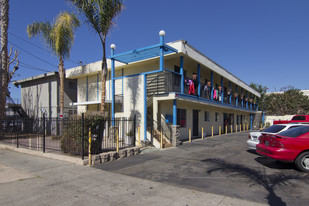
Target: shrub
(71, 141)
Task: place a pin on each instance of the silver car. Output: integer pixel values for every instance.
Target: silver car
(274, 129)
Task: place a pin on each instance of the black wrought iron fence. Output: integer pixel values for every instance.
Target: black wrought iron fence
(69, 135)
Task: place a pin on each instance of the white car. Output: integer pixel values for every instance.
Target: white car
(274, 129)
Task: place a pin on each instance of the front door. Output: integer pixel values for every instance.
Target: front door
(195, 122)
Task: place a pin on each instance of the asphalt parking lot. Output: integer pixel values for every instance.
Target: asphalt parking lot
(220, 165)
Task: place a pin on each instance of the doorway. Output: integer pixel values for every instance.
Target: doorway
(195, 122)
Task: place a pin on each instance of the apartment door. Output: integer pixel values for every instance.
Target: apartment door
(195, 123)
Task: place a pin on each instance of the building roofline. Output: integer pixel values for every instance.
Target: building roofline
(236, 80)
(40, 76)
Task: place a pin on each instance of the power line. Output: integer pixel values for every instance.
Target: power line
(76, 62)
(33, 55)
(31, 67)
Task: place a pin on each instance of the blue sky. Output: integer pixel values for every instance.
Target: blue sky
(259, 41)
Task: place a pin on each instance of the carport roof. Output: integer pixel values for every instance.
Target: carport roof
(143, 53)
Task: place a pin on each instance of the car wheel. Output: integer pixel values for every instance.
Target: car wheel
(302, 162)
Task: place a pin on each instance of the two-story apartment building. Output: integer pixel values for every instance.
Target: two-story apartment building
(167, 85)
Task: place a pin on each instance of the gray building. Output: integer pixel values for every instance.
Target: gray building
(41, 94)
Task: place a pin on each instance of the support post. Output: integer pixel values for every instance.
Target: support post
(145, 107)
(202, 132)
(236, 99)
(242, 101)
(113, 83)
(189, 134)
(162, 34)
(222, 90)
(198, 79)
(174, 112)
(181, 73)
(230, 87)
(212, 84)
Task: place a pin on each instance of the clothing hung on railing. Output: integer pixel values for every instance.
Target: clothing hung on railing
(191, 87)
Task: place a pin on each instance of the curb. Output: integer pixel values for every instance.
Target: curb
(73, 160)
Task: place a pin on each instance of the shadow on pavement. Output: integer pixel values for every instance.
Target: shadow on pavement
(269, 182)
(273, 164)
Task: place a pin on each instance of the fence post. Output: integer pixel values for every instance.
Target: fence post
(212, 131)
(43, 132)
(89, 147)
(189, 134)
(219, 130)
(139, 136)
(225, 129)
(117, 140)
(134, 130)
(202, 132)
(83, 139)
(231, 129)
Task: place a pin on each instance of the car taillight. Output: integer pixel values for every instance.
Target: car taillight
(275, 143)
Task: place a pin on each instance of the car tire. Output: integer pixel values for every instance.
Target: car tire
(302, 162)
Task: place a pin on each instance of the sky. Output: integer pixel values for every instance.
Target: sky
(259, 41)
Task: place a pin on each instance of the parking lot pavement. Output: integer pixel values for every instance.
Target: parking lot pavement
(221, 165)
(32, 180)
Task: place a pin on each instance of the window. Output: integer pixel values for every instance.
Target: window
(181, 117)
(217, 117)
(299, 118)
(295, 132)
(206, 116)
(274, 128)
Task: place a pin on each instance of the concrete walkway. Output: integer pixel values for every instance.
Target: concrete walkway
(32, 180)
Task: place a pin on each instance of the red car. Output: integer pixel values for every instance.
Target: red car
(288, 146)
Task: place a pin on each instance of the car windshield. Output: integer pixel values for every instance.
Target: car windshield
(295, 132)
(274, 128)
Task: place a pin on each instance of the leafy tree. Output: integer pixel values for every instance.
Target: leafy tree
(262, 90)
(99, 15)
(288, 101)
(59, 37)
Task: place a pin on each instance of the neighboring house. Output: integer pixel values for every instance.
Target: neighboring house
(41, 94)
(163, 85)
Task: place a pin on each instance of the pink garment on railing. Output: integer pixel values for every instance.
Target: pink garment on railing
(215, 94)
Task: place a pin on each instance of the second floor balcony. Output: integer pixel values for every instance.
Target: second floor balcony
(169, 81)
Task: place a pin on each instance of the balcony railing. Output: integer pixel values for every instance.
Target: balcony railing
(168, 81)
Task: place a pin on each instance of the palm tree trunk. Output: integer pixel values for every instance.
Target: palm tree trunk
(104, 75)
(4, 55)
(61, 77)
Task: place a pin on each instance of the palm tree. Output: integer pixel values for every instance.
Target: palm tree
(59, 37)
(99, 15)
(4, 55)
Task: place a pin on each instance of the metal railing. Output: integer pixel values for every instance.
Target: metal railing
(42, 134)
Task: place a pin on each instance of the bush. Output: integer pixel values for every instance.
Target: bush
(71, 141)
